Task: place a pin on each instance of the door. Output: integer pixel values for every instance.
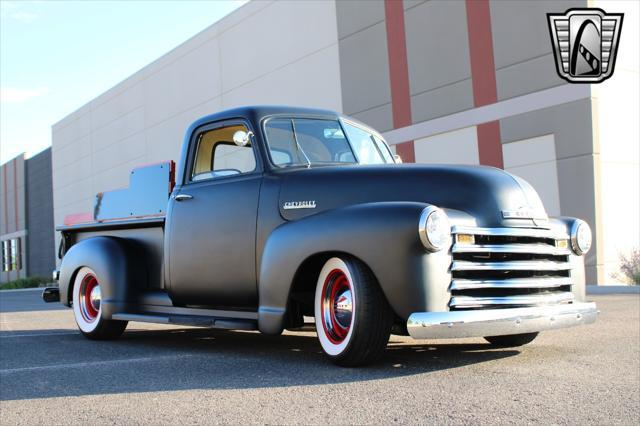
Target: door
(212, 223)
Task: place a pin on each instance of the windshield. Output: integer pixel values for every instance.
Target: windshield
(303, 141)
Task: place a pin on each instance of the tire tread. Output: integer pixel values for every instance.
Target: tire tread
(107, 330)
(511, 340)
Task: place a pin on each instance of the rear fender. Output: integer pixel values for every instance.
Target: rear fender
(120, 271)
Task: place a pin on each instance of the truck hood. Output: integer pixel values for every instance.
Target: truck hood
(482, 192)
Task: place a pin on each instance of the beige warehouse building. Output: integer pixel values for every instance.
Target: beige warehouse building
(446, 82)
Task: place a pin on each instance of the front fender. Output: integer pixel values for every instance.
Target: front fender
(113, 260)
(383, 235)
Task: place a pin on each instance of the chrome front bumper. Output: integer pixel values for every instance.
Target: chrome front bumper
(498, 322)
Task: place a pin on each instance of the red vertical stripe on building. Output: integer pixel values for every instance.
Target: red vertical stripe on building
(489, 146)
(399, 73)
(15, 210)
(15, 191)
(483, 78)
(6, 199)
(6, 208)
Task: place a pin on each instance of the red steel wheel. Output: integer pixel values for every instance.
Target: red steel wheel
(337, 306)
(90, 296)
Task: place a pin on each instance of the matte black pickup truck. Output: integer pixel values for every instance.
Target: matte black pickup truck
(277, 214)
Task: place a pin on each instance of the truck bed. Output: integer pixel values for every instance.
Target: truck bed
(147, 234)
(141, 222)
(136, 214)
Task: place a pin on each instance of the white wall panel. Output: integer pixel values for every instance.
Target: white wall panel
(456, 147)
(113, 154)
(75, 115)
(72, 130)
(123, 127)
(82, 169)
(620, 209)
(529, 151)
(319, 88)
(273, 37)
(189, 81)
(534, 160)
(113, 105)
(77, 190)
(617, 107)
(64, 155)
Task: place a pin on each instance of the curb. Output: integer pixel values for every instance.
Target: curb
(613, 289)
(19, 290)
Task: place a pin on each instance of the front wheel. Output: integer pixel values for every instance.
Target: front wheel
(512, 340)
(353, 318)
(87, 308)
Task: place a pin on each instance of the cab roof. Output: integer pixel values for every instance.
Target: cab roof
(257, 113)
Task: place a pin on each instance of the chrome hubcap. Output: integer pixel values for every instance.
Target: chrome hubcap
(94, 297)
(337, 306)
(90, 296)
(344, 309)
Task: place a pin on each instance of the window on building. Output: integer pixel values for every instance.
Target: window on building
(16, 258)
(6, 256)
(11, 255)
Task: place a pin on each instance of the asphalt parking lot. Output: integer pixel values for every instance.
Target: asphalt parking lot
(50, 374)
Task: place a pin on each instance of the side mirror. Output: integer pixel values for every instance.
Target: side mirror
(242, 138)
(397, 158)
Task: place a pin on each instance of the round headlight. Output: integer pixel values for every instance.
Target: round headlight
(580, 237)
(434, 229)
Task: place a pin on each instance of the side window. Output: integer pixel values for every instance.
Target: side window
(282, 143)
(367, 151)
(218, 156)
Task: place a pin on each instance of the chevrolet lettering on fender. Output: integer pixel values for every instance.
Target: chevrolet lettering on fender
(299, 205)
(275, 214)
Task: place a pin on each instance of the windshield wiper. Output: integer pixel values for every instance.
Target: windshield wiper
(295, 136)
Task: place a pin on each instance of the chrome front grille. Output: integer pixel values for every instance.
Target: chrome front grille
(509, 267)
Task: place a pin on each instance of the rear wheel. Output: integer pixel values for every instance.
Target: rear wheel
(87, 308)
(353, 318)
(512, 340)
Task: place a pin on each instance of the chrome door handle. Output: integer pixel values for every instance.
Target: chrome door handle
(183, 197)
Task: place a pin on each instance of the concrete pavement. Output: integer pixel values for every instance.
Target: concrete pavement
(50, 374)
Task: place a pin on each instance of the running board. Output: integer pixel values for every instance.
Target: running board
(190, 320)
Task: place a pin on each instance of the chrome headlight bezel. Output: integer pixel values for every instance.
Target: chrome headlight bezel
(581, 237)
(434, 229)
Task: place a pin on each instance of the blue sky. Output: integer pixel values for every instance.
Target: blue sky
(55, 56)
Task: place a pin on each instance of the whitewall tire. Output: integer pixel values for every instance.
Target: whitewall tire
(87, 307)
(353, 319)
(335, 326)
